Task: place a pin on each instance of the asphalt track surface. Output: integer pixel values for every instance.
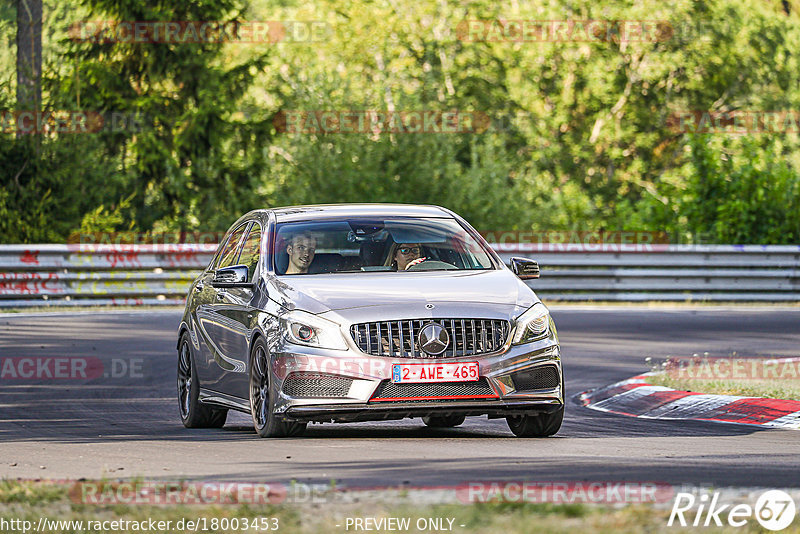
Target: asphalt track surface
(129, 427)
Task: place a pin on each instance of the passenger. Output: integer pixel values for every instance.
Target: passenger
(406, 255)
(301, 250)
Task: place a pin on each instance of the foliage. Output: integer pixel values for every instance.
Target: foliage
(107, 219)
(580, 136)
(741, 190)
(46, 189)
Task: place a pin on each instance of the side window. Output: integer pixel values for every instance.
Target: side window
(231, 250)
(251, 251)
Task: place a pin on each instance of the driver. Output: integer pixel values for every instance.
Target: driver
(407, 254)
(301, 249)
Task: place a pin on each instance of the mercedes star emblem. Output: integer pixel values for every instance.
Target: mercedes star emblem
(433, 339)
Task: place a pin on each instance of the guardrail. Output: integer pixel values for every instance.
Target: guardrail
(75, 275)
(766, 273)
(108, 275)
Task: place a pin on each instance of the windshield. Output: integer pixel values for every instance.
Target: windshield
(364, 245)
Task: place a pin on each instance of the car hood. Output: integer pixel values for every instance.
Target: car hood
(498, 290)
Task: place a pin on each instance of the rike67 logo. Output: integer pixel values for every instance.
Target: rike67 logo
(774, 510)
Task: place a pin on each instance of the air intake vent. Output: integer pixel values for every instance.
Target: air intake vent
(441, 391)
(400, 339)
(316, 385)
(539, 378)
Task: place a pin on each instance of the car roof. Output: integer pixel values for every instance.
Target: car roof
(329, 211)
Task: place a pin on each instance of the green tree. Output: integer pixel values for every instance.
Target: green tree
(192, 162)
(742, 192)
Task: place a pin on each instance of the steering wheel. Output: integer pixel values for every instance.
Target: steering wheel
(431, 265)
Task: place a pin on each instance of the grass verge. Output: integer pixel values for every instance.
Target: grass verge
(748, 377)
(768, 389)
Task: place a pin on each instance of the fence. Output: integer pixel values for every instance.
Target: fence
(74, 275)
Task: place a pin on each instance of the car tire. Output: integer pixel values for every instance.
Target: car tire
(262, 402)
(536, 426)
(193, 413)
(539, 425)
(443, 421)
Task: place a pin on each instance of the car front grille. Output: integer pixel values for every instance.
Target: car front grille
(400, 339)
(316, 385)
(538, 378)
(440, 391)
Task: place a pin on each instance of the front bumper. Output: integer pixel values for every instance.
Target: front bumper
(367, 374)
(350, 413)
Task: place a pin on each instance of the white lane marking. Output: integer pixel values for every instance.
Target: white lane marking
(691, 407)
(588, 395)
(791, 420)
(627, 396)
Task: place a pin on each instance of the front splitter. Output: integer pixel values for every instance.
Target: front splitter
(349, 413)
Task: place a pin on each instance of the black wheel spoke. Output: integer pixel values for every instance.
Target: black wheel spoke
(194, 414)
(259, 387)
(184, 379)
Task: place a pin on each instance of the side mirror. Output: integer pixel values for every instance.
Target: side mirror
(234, 276)
(524, 268)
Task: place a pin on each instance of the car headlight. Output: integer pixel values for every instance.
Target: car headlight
(304, 328)
(532, 325)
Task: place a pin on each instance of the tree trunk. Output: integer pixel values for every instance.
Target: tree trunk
(29, 55)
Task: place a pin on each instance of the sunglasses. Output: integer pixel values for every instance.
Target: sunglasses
(409, 250)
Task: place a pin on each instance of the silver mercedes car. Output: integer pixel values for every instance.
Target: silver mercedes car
(366, 312)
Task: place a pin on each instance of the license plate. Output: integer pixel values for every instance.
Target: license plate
(435, 372)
